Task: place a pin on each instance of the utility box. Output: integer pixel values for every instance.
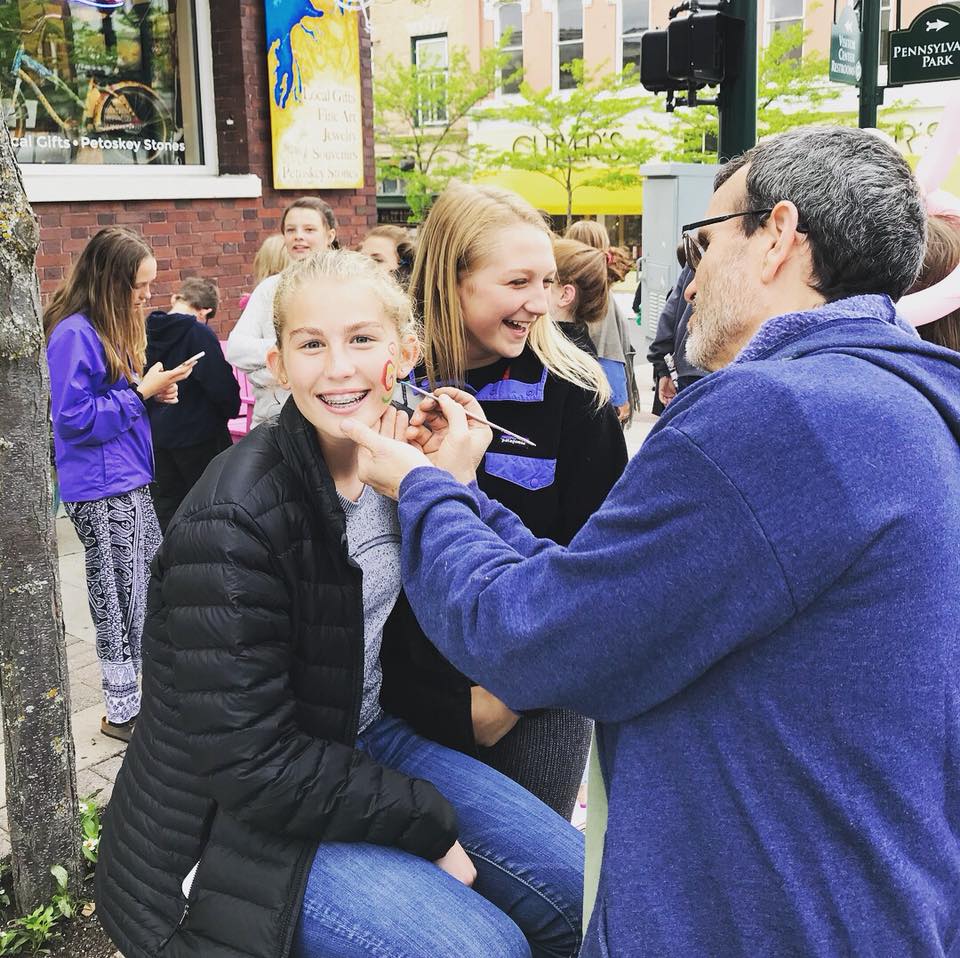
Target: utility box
(673, 194)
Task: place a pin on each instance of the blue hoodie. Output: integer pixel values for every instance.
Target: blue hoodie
(779, 720)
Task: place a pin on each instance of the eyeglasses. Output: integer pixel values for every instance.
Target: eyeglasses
(692, 250)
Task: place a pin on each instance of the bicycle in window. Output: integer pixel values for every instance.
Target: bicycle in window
(125, 110)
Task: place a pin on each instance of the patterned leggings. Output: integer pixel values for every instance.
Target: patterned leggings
(120, 536)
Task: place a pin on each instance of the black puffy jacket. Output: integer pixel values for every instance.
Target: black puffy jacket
(242, 757)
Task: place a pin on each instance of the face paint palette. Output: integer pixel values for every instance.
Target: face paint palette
(405, 397)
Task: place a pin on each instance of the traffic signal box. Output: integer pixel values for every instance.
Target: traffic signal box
(703, 49)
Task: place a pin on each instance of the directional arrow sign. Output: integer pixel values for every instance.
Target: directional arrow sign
(929, 49)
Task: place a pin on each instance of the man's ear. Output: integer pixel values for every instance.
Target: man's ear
(787, 241)
(409, 354)
(275, 365)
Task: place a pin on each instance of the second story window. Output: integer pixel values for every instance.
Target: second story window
(636, 22)
(781, 15)
(510, 18)
(430, 57)
(569, 38)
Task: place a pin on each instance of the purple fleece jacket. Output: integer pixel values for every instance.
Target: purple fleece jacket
(763, 620)
(101, 433)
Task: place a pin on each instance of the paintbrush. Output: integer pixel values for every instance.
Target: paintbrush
(470, 415)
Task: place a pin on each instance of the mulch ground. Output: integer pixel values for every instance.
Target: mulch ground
(82, 938)
(79, 937)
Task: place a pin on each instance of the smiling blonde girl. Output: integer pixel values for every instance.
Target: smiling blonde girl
(482, 282)
(271, 804)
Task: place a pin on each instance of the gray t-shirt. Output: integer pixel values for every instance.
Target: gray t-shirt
(373, 542)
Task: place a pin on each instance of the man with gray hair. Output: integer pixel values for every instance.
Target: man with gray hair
(779, 721)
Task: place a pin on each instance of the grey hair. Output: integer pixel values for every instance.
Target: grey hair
(857, 198)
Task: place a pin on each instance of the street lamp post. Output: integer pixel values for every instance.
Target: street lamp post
(738, 98)
(871, 93)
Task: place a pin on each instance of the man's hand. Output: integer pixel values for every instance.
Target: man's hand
(491, 718)
(384, 458)
(666, 390)
(447, 437)
(458, 864)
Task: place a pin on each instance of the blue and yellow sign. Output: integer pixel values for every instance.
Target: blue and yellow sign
(316, 117)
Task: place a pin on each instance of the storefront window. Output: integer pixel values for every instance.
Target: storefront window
(100, 81)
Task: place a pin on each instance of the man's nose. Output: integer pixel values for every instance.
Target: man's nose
(689, 294)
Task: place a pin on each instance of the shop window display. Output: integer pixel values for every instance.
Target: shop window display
(100, 81)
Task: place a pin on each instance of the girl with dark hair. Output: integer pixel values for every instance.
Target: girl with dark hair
(941, 259)
(96, 346)
(308, 224)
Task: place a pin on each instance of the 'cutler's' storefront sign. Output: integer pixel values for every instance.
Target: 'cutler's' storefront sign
(316, 118)
(929, 50)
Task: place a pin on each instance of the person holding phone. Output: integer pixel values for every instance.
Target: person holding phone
(99, 397)
(187, 435)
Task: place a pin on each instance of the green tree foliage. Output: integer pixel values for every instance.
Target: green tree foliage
(792, 90)
(420, 117)
(579, 131)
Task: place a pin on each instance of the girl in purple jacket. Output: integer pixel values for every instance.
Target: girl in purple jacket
(96, 341)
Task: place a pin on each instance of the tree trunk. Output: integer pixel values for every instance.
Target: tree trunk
(41, 784)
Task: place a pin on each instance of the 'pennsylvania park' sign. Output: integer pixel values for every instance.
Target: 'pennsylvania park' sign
(929, 50)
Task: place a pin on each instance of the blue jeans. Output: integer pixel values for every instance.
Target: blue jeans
(367, 900)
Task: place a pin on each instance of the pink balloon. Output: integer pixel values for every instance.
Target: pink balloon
(944, 147)
(941, 203)
(932, 303)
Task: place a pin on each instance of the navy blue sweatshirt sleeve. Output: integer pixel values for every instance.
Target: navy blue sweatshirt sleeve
(215, 375)
(591, 458)
(569, 626)
(665, 338)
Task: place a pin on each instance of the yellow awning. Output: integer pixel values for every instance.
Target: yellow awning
(546, 194)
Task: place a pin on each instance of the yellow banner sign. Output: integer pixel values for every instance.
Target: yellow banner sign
(316, 117)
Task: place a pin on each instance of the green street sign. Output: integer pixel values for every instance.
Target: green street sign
(929, 50)
(845, 48)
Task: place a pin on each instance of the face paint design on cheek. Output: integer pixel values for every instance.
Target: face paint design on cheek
(392, 349)
(388, 380)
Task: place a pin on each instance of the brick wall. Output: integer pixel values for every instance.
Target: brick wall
(216, 238)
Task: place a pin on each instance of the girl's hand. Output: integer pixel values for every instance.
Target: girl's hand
(168, 395)
(491, 718)
(447, 437)
(458, 864)
(156, 379)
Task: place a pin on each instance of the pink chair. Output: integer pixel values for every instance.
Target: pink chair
(240, 426)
